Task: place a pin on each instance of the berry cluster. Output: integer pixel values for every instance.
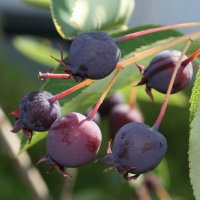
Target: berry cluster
(74, 139)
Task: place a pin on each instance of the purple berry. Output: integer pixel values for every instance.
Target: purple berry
(93, 55)
(113, 100)
(158, 74)
(120, 115)
(72, 141)
(36, 113)
(137, 148)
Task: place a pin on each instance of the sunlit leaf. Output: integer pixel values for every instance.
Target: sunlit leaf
(195, 96)
(194, 152)
(72, 17)
(38, 3)
(37, 49)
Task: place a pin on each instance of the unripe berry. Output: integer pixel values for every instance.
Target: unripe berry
(111, 101)
(122, 114)
(72, 141)
(159, 72)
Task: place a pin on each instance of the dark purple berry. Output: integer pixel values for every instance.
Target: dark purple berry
(159, 72)
(111, 101)
(137, 148)
(93, 55)
(72, 141)
(120, 115)
(36, 113)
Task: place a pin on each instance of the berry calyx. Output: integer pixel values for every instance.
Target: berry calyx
(36, 112)
(72, 141)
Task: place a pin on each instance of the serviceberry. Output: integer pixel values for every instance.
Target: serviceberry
(137, 148)
(92, 55)
(72, 141)
(36, 112)
(158, 74)
(122, 114)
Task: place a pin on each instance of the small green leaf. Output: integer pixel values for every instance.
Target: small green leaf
(37, 137)
(37, 49)
(38, 3)
(195, 96)
(194, 153)
(72, 17)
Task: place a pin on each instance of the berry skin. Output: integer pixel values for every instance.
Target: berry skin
(72, 141)
(122, 114)
(137, 148)
(110, 102)
(158, 74)
(36, 113)
(92, 55)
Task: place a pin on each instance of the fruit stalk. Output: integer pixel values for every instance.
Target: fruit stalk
(132, 98)
(153, 30)
(191, 57)
(51, 75)
(100, 101)
(69, 91)
(136, 57)
(165, 102)
(139, 56)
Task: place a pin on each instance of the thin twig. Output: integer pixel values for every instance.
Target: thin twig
(22, 163)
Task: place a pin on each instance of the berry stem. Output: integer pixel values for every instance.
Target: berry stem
(100, 101)
(71, 90)
(43, 76)
(132, 98)
(153, 30)
(165, 102)
(139, 56)
(136, 57)
(152, 180)
(191, 57)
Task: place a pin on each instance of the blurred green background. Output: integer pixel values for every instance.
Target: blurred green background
(18, 75)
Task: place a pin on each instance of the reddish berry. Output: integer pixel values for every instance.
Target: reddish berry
(159, 72)
(72, 141)
(122, 114)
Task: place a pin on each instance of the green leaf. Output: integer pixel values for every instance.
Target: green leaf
(81, 100)
(194, 153)
(72, 17)
(38, 3)
(37, 137)
(195, 96)
(37, 49)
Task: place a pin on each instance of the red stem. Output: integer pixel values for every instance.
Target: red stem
(69, 91)
(165, 102)
(100, 101)
(153, 30)
(190, 58)
(51, 75)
